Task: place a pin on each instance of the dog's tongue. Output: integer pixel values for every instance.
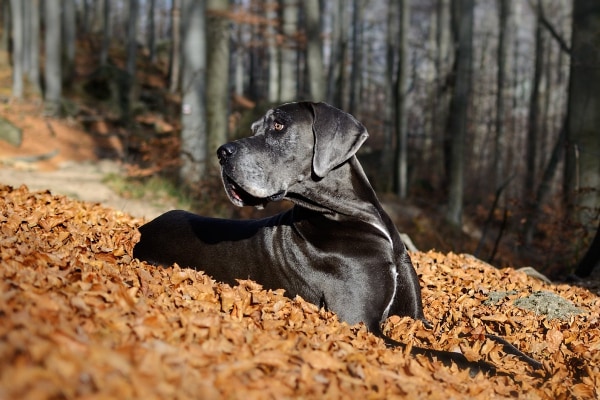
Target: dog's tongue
(245, 198)
(236, 195)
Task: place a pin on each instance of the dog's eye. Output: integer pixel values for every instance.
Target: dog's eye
(278, 126)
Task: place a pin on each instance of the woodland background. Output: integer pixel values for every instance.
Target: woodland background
(483, 115)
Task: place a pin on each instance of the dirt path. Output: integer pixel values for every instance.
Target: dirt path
(58, 155)
(81, 181)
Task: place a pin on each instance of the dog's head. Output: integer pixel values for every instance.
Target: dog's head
(292, 143)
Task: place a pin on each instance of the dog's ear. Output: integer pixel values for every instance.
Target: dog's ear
(338, 135)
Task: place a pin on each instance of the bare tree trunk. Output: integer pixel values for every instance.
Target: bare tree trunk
(443, 91)
(314, 50)
(96, 22)
(26, 10)
(17, 53)
(401, 173)
(274, 53)
(69, 37)
(334, 58)
(193, 133)
(289, 53)
(34, 46)
(106, 34)
(217, 78)
(239, 56)
(355, 78)
(161, 21)
(504, 27)
(532, 130)
(434, 152)
(85, 17)
(385, 178)
(175, 60)
(132, 37)
(151, 31)
(342, 75)
(463, 32)
(130, 64)
(52, 70)
(583, 156)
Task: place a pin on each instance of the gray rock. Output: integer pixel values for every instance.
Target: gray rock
(548, 304)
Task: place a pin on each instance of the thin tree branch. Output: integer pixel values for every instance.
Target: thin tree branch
(490, 216)
(548, 25)
(561, 42)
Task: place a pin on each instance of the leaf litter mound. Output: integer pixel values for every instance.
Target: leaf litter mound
(80, 318)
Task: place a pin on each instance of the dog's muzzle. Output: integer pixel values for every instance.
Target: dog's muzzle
(236, 193)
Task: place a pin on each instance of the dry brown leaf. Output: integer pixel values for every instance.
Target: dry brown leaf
(82, 319)
(494, 318)
(321, 360)
(554, 339)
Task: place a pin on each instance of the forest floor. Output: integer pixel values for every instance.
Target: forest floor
(59, 156)
(82, 318)
(116, 327)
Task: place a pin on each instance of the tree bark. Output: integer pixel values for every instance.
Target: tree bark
(532, 126)
(52, 70)
(314, 50)
(85, 17)
(69, 38)
(385, 180)
(130, 63)
(342, 74)
(355, 76)
(26, 10)
(401, 170)
(193, 133)
(217, 78)
(151, 31)
(106, 34)
(34, 46)
(443, 60)
(504, 27)
(175, 60)
(132, 37)
(463, 33)
(334, 54)
(289, 51)
(96, 22)
(239, 56)
(16, 8)
(274, 53)
(583, 155)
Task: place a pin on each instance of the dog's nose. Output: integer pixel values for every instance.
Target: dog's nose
(226, 151)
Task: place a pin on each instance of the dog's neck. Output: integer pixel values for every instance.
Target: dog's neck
(341, 201)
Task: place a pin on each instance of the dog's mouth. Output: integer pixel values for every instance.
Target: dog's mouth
(239, 197)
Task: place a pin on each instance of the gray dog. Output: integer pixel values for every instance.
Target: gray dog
(336, 247)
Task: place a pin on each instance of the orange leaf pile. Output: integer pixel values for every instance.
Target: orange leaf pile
(80, 318)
